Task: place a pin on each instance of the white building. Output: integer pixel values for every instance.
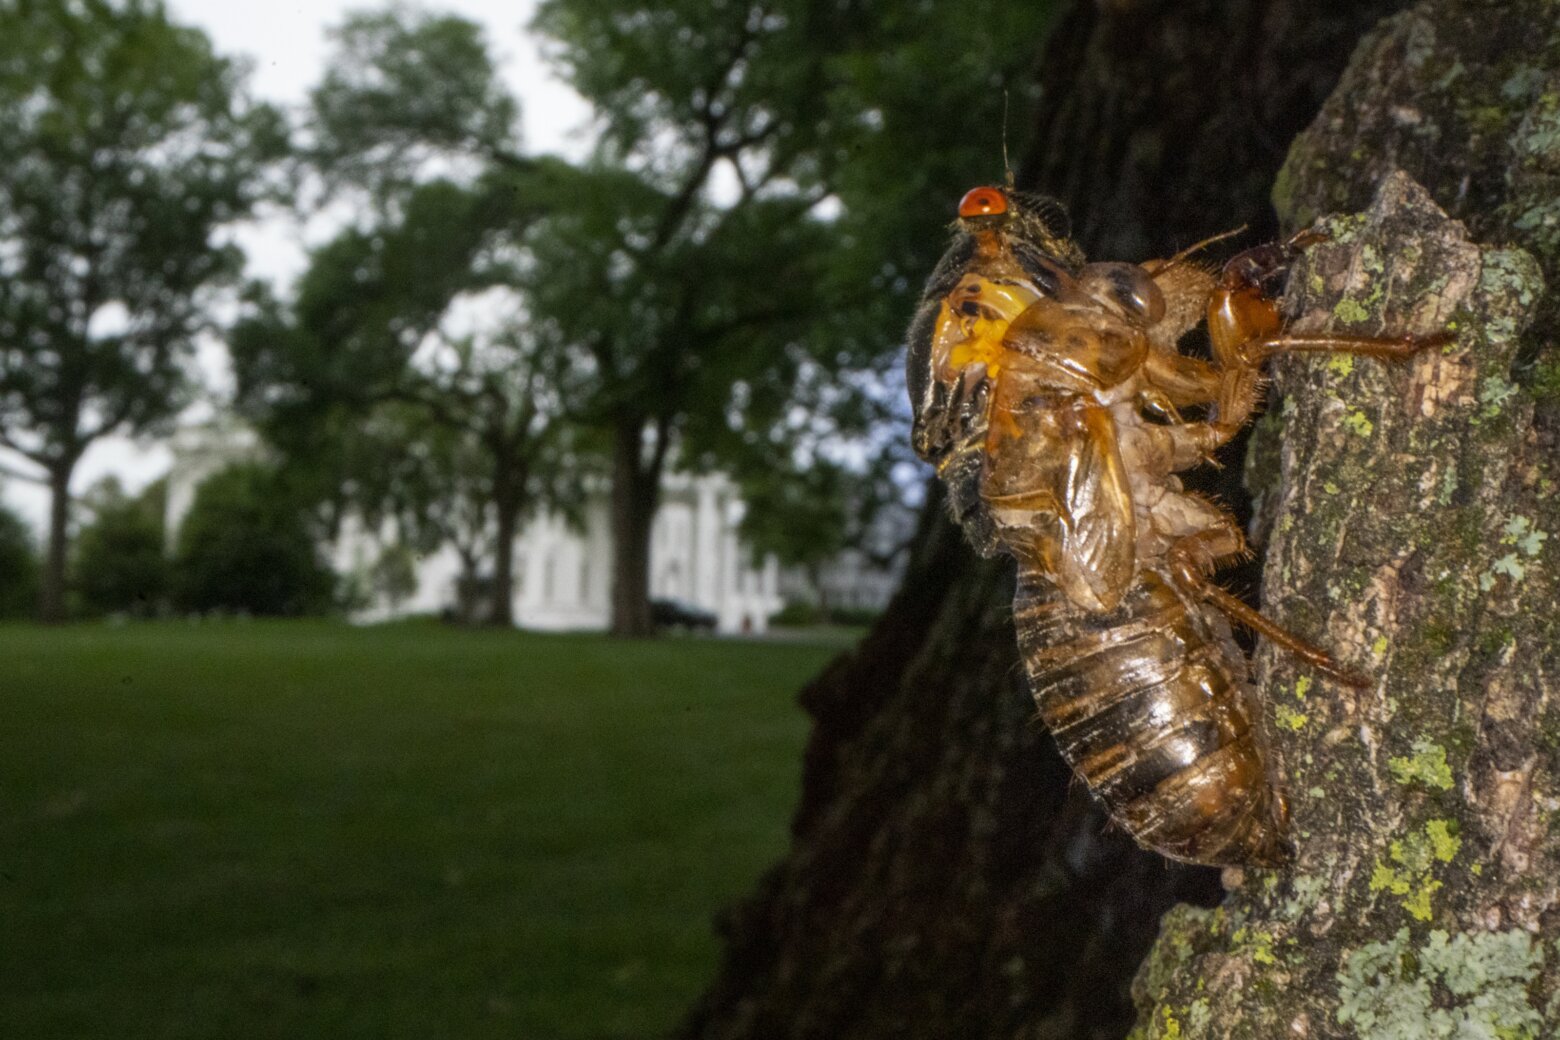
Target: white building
(563, 574)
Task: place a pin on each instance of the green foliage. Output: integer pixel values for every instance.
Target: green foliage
(722, 285)
(128, 144)
(751, 312)
(245, 546)
(404, 87)
(394, 575)
(18, 567)
(802, 517)
(371, 383)
(120, 564)
(831, 100)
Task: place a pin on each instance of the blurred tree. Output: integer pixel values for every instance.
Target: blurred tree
(731, 136)
(690, 349)
(809, 515)
(406, 348)
(403, 353)
(120, 562)
(394, 575)
(18, 566)
(246, 545)
(128, 144)
(699, 290)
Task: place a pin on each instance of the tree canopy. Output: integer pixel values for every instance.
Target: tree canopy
(129, 144)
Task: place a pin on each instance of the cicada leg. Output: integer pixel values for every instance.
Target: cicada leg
(1194, 559)
(1386, 348)
(1246, 328)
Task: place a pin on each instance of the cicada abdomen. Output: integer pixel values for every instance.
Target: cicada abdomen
(1150, 704)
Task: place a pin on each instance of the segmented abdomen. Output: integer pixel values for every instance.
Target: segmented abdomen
(1149, 703)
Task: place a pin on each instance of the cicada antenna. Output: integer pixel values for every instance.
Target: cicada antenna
(1007, 165)
(1193, 249)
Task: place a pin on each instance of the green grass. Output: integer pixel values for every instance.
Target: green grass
(305, 830)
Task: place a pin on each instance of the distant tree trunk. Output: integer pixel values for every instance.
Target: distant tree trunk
(815, 575)
(51, 590)
(947, 878)
(468, 598)
(1415, 525)
(508, 494)
(636, 485)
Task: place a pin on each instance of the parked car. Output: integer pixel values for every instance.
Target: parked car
(673, 613)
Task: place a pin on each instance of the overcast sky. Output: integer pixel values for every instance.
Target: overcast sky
(285, 41)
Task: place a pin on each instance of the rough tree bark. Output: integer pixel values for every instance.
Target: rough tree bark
(947, 878)
(1414, 516)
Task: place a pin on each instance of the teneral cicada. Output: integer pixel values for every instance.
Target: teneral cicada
(1049, 394)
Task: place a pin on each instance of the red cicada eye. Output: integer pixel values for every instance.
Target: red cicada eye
(983, 202)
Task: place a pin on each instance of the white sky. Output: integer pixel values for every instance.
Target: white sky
(287, 46)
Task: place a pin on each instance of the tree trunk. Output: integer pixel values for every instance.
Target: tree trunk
(815, 574)
(1414, 519)
(947, 877)
(507, 499)
(51, 590)
(635, 487)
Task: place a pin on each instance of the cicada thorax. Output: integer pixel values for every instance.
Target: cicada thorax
(1149, 703)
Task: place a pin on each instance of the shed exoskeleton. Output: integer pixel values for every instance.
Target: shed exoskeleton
(1049, 393)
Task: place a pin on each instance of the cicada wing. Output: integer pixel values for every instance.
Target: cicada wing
(1080, 346)
(1099, 538)
(1060, 493)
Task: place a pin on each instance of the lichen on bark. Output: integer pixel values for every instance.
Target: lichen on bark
(1411, 522)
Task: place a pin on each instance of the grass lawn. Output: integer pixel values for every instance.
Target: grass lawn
(306, 830)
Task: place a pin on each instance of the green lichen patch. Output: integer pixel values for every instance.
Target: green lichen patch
(1427, 766)
(1495, 393)
(1351, 312)
(1294, 721)
(1358, 423)
(1307, 891)
(1408, 870)
(1509, 566)
(1183, 930)
(1444, 842)
(1520, 532)
(1449, 988)
(1258, 944)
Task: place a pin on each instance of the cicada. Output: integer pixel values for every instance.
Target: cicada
(1053, 398)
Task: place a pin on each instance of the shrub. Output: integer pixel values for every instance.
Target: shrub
(18, 567)
(120, 564)
(246, 546)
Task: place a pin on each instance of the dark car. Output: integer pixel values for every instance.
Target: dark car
(672, 613)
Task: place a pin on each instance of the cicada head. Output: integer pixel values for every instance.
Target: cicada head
(1030, 228)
